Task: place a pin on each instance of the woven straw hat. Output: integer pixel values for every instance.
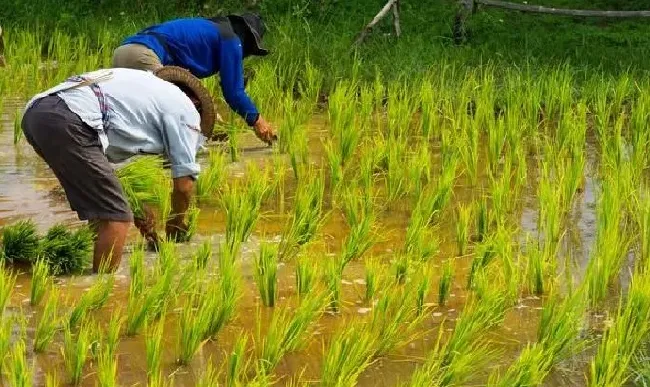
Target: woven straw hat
(182, 77)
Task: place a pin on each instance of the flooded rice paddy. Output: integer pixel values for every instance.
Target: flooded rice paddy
(29, 190)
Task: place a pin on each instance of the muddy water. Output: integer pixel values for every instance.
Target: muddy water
(29, 190)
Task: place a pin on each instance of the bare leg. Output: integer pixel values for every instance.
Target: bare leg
(109, 244)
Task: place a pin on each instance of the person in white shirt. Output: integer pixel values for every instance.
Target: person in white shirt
(88, 122)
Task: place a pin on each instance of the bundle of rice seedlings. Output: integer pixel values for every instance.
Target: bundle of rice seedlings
(145, 183)
(20, 241)
(67, 252)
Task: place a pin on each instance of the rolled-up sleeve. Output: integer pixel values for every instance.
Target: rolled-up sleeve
(181, 141)
(232, 81)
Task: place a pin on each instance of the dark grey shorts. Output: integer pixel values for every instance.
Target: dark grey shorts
(73, 151)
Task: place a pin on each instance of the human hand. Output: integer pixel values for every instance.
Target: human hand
(264, 131)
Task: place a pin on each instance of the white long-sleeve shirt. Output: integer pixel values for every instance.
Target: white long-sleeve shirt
(147, 115)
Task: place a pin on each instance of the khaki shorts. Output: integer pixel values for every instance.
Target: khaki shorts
(136, 56)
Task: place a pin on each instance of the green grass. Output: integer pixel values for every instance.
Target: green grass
(20, 241)
(266, 273)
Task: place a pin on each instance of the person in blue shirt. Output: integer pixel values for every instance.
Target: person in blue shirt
(204, 46)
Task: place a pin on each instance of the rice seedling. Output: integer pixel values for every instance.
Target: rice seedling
(18, 131)
(345, 130)
(395, 320)
(333, 276)
(192, 223)
(148, 303)
(396, 178)
(446, 281)
(7, 283)
(18, 370)
(242, 212)
(305, 275)
(485, 254)
(558, 339)
(373, 278)
(107, 357)
(94, 298)
(287, 333)
(220, 309)
(483, 220)
(453, 362)
(237, 366)
(463, 221)
(136, 270)
(307, 215)
(75, 349)
(212, 178)
(67, 252)
(153, 345)
(145, 183)
(349, 354)
(191, 328)
(401, 266)
(422, 289)
(41, 281)
(49, 322)
(20, 241)
(335, 166)
(622, 340)
(266, 273)
(203, 255)
(51, 380)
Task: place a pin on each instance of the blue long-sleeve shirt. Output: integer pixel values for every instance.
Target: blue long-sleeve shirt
(203, 48)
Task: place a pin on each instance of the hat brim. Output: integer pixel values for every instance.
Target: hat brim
(258, 50)
(178, 75)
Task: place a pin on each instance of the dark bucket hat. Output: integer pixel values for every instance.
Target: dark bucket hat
(255, 27)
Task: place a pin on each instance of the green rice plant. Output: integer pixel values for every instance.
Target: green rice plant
(307, 215)
(446, 281)
(420, 242)
(242, 212)
(348, 355)
(7, 283)
(463, 222)
(468, 149)
(335, 166)
(423, 280)
(18, 132)
(18, 370)
(305, 275)
(136, 270)
(67, 252)
(453, 362)
(287, 333)
(266, 273)
(49, 322)
(360, 215)
(191, 328)
(428, 106)
(153, 344)
(345, 130)
(237, 366)
(6, 330)
(148, 303)
(212, 178)
(192, 223)
(396, 178)
(221, 307)
(299, 155)
(41, 281)
(333, 276)
(558, 339)
(75, 349)
(203, 255)
(485, 254)
(20, 241)
(622, 340)
(51, 380)
(107, 356)
(168, 257)
(373, 278)
(496, 143)
(643, 224)
(401, 266)
(395, 319)
(94, 298)
(483, 221)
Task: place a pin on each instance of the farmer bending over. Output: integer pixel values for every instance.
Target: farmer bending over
(82, 125)
(204, 47)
